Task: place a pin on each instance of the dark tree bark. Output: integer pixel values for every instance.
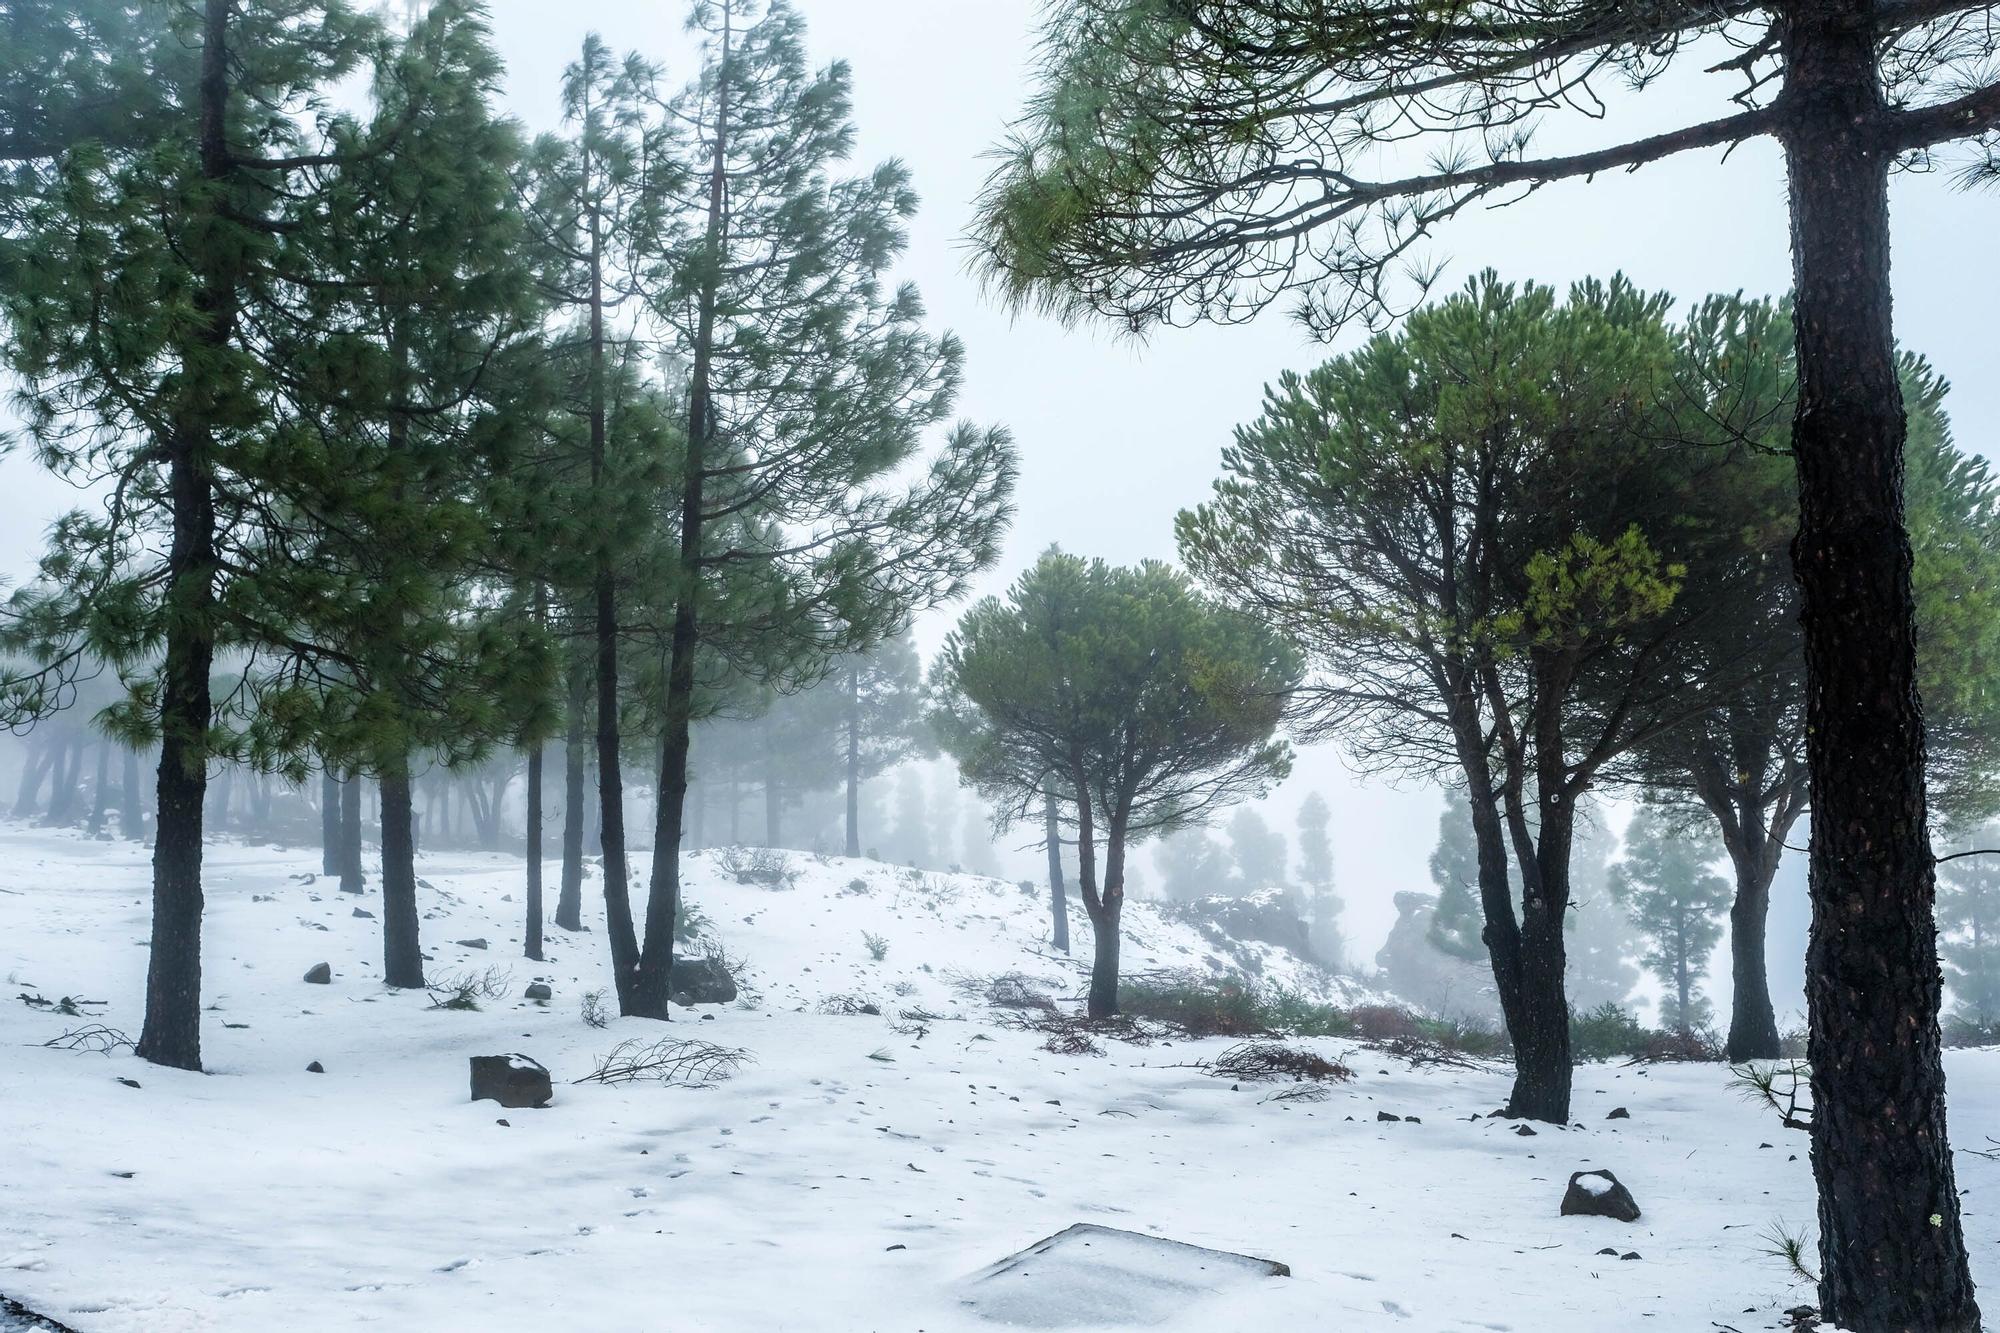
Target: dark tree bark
(531, 934)
(1058, 899)
(1893, 1251)
(351, 878)
(172, 1032)
(402, 949)
(854, 763)
(1753, 1020)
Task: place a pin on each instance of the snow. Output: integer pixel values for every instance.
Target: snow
(1594, 1185)
(853, 1177)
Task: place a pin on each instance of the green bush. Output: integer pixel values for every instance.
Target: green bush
(1606, 1033)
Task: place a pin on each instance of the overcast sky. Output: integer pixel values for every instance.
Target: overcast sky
(1116, 437)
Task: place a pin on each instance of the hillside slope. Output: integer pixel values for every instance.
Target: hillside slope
(850, 1177)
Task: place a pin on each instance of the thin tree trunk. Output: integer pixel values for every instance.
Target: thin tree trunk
(101, 794)
(69, 777)
(569, 897)
(664, 890)
(329, 823)
(131, 816)
(1891, 1247)
(531, 934)
(40, 757)
(1058, 899)
(402, 950)
(351, 878)
(854, 763)
(1753, 1021)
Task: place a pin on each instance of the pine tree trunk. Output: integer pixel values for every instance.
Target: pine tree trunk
(172, 1031)
(402, 950)
(1058, 899)
(664, 890)
(1106, 922)
(854, 762)
(531, 933)
(1753, 1021)
(351, 878)
(569, 896)
(1892, 1251)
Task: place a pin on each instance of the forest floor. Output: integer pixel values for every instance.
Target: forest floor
(853, 1176)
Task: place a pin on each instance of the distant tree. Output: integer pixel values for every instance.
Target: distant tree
(1316, 869)
(1152, 704)
(913, 817)
(1455, 923)
(1602, 946)
(1677, 904)
(1192, 863)
(1969, 933)
(1258, 850)
(883, 719)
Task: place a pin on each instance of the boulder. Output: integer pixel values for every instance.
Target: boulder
(1619, 1113)
(1264, 917)
(1598, 1194)
(364, 914)
(539, 990)
(470, 944)
(512, 1080)
(702, 981)
(319, 974)
(315, 1068)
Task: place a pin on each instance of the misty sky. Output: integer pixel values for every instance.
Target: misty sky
(1115, 437)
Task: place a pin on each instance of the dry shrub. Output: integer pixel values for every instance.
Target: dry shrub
(1072, 1042)
(847, 1006)
(687, 1063)
(1694, 1046)
(1271, 1062)
(1383, 1022)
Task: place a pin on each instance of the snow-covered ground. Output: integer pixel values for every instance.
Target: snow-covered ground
(852, 1178)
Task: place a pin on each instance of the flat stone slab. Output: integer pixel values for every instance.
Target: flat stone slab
(1089, 1275)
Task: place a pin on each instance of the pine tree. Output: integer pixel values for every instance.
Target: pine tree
(146, 258)
(810, 387)
(1153, 706)
(883, 720)
(1329, 943)
(1677, 903)
(1455, 922)
(1258, 850)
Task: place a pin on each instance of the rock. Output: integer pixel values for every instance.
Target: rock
(512, 1080)
(1629, 1254)
(315, 1068)
(1611, 1250)
(364, 914)
(1265, 917)
(702, 981)
(1387, 1115)
(1619, 1113)
(1412, 1120)
(1092, 1275)
(320, 974)
(1524, 1131)
(539, 990)
(470, 944)
(1598, 1194)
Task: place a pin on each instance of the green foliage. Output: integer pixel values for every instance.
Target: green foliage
(1455, 923)
(1607, 1032)
(1152, 703)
